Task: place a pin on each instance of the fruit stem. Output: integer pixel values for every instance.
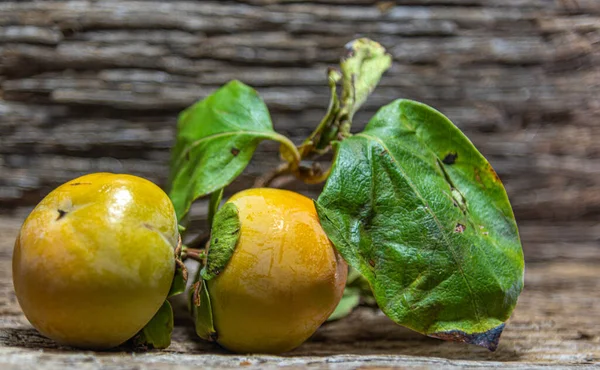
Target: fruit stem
(198, 255)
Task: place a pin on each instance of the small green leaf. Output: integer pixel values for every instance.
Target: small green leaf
(421, 214)
(362, 68)
(213, 206)
(157, 332)
(349, 301)
(201, 309)
(224, 237)
(216, 138)
(178, 284)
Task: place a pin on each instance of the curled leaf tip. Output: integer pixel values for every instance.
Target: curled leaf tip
(488, 339)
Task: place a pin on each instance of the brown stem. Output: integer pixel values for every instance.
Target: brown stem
(266, 179)
(178, 260)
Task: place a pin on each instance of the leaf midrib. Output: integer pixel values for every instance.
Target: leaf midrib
(222, 134)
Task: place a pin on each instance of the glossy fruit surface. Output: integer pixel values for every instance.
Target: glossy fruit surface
(284, 278)
(94, 260)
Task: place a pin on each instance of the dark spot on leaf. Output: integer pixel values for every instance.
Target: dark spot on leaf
(488, 339)
(61, 214)
(459, 228)
(80, 183)
(235, 151)
(450, 158)
(372, 263)
(494, 174)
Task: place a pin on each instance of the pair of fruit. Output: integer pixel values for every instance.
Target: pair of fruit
(95, 259)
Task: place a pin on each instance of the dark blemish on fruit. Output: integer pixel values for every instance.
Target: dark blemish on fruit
(148, 226)
(459, 228)
(450, 158)
(80, 183)
(61, 214)
(235, 151)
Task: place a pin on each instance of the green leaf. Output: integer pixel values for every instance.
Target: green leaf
(201, 309)
(362, 68)
(213, 206)
(417, 210)
(178, 284)
(350, 299)
(157, 332)
(216, 138)
(224, 237)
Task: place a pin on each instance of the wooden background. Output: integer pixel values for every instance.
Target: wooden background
(90, 86)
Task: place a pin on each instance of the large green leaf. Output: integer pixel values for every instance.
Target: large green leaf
(415, 208)
(216, 138)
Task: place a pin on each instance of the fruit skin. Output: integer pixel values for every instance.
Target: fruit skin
(284, 279)
(95, 259)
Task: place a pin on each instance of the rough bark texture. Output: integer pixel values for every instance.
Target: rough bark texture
(91, 86)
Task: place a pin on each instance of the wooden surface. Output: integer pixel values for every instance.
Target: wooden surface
(91, 86)
(556, 322)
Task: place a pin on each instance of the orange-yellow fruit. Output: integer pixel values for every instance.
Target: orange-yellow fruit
(94, 260)
(284, 278)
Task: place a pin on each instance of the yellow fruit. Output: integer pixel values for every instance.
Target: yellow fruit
(94, 260)
(284, 278)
